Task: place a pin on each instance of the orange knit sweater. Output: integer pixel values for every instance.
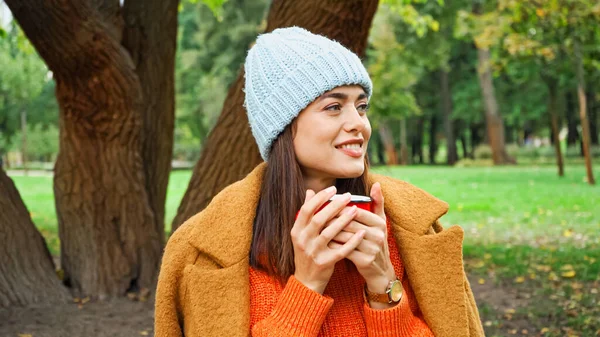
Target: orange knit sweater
(295, 310)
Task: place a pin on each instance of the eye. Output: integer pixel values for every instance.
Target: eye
(363, 107)
(334, 107)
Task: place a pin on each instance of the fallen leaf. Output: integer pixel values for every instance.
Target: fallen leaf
(552, 277)
(544, 330)
(25, 335)
(488, 323)
(481, 281)
(144, 333)
(85, 300)
(567, 233)
(566, 267)
(487, 256)
(510, 311)
(568, 274)
(519, 279)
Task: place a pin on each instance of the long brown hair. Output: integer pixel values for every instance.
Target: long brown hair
(282, 195)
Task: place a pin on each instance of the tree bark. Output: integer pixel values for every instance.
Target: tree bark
(26, 275)
(445, 96)
(230, 151)
(108, 204)
(433, 121)
(494, 122)
(572, 132)
(553, 112)
(388, 143)
(150, 36)
(585, 127)
(417, 140)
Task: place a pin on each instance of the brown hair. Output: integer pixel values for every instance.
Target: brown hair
(282, 194)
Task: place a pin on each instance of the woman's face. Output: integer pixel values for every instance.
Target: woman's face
(332, 133)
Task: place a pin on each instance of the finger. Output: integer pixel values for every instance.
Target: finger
(370, 219)
(377, 200)
(309, 195)
(359, 258)
(366, 246)
(343, 237)
(337, 225)
(329, 212)
(342, 251)
(372, 234)
(311, 205)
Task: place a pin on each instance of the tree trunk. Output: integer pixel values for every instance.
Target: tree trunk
(110, 221)
(495, 125)
(463, 143)
(24, 140)
(553, 112)
(150, 36)
(388, 143)
(379, 148)
(404, 157)
(230, 151)
(572, 120)
(585, 127)
(433, 139)
(445, 96)
(494, 122)
(417, 140)
(26, 274)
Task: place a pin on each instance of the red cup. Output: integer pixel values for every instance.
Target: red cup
(359, 201)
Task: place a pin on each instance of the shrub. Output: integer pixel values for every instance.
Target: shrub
(483, 151)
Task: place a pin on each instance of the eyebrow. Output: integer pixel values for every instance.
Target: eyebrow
(340, 95)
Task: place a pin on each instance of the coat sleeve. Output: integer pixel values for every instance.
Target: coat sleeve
(475, 326)
(168, 313)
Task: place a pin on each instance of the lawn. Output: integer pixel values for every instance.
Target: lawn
(526, 231)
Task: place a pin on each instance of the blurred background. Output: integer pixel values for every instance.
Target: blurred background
(121, 119)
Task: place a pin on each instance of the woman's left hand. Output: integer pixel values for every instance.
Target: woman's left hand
(372, 256)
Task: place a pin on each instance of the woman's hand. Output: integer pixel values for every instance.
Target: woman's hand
(314, 258)
(372, 256)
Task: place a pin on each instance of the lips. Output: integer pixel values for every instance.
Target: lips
(352, 148)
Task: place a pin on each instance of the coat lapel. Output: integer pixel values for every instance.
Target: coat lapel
(433, 263)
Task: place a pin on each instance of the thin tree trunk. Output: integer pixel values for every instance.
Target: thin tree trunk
(553, 112)
(388, 143)
(111, 238)
(230, 151)
(494, 122)
(495, 125)
(572, 132)
(24, 139)
(404, 157)
(418, 142)
(446, 104)
(26, 269)
(432, 139)
(585, 127)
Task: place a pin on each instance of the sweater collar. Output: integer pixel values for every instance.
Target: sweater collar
(229, 218)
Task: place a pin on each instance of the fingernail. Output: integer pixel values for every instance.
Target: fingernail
(353, 210)
(330, 189)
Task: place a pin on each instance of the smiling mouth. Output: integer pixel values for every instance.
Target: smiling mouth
(353, 150)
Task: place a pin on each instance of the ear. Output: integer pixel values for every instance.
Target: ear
(377, 200)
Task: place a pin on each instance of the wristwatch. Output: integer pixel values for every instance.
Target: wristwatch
(392, 294)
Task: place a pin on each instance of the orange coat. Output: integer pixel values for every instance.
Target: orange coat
(203, 287)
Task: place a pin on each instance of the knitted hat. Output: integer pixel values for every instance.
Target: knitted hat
(288, 69)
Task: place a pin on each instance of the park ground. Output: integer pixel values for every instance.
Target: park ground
(531, 250)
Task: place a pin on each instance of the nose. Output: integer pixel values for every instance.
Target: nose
(354, 121)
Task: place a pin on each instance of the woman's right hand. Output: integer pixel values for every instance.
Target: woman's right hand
(312, 233)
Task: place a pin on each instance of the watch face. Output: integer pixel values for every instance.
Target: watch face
(396, 291)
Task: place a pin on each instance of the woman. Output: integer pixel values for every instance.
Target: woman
(271, 257)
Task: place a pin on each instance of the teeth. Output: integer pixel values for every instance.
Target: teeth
(350, 146)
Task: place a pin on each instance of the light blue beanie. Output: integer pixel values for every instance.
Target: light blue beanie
(288, 69)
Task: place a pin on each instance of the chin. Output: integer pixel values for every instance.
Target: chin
(351, 171)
